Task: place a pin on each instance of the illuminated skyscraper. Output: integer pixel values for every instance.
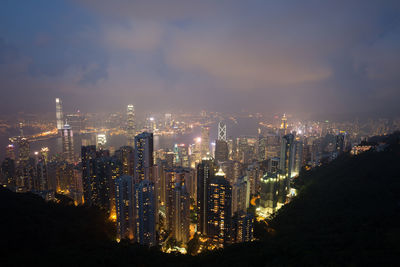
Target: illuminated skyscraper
(143, 156)
(124, 207)
(283, 127)
(101, 141)
(205, 142)
(269, 193)
(219, 211)
(221, 151)
(242, 227)
(68, 143)
(126, 156)
(10, 152)
(44, 153)
(59, 114)
(181, 153)
(145, 213)
(178, 208)
(287, 158)
(41, 179)
(221, 131)
(205, 171)
(240, 195)
(130, 127)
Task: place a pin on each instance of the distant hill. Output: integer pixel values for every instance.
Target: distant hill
(346, 213)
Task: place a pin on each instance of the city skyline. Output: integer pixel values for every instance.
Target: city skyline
(223, 133)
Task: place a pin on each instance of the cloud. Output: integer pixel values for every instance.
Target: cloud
(138, 37)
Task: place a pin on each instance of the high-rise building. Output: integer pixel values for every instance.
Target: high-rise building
(8, 172)
(205, 171)
(269, 193)
(221, 151)
(126, 156)
(284, 126)
(240, 195)
(242, 227)
(261, 148)
(10, 151)
(287, 158)
(145, 213)
(124, 207)
(178, 210)
(219, 211)
(181, 153)
(101, 141)
(130, 127)
(68, 143)
(96, 177)
(143, 156)
(23, 151)
(59, 114)
(221, 131)
(44, 153)
(205, 142)
(41, 181)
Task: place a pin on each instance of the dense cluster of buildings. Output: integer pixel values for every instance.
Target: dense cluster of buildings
(186, 192)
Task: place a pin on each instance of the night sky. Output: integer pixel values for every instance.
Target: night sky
(169, 55)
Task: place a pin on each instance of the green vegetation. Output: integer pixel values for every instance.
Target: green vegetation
(347, 213)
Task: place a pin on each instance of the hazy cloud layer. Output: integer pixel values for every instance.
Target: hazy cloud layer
(308, 56)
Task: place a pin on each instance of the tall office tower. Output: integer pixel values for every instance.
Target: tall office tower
(242, 227)
(240, 195)
(298, 157)
(124, 207)
(205, 142)
(145, 213)
(23, 151)
(64, 177)
(126, 156)
(205, 171)
(143, 156)
(287, 157)
(178, 211)
(254, 174)
(283, 128)
(221, 151)
(76, 188)
(221, 131)
(59, 114)
(219, 211)
(41, 181)
(130, 127)
(269, 193)
(8, 172)
(261, 148)
(68, 143)
(44, 153)
(89, 175)
(10, 151)
(101, 141)
(181, 153)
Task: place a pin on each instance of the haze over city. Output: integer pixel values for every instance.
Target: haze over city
(199, 133)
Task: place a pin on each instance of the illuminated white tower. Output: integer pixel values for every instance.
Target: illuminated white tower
(130, 129)
(68, 143)
(205, 141)
(221, 131)
(59, 114)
